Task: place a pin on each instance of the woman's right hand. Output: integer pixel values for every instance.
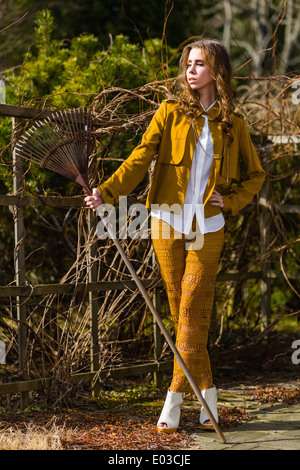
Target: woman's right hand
(95, 200)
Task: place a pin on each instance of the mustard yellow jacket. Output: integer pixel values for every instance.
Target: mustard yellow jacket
(170, 140)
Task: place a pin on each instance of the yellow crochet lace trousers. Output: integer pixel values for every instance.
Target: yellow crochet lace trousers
(189, 277)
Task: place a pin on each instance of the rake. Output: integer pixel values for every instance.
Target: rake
(63, 143)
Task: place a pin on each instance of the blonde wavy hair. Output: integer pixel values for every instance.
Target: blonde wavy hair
(217, 60)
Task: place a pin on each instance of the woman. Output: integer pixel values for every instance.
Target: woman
(198, 142)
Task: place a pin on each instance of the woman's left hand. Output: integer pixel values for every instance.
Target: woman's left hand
(216, 199)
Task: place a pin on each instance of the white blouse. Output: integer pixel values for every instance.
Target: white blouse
(193, 202)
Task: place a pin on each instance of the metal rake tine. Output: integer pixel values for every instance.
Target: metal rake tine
(90, 140)
(72, 151)
(73, 123)
(26, 142)
(78, 123)
(27, 139)
(87, 144)
(35, 158)
(78, 144)
(51, 131)
(42, 138)
(81, 126)
(88, 134)
(45, 131)
(28, 151)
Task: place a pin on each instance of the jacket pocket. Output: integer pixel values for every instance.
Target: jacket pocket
(231, 171)
(230, 164)
(175, 146)
(178, 150)
(173, 153)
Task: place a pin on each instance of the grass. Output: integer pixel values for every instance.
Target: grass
(33, 437)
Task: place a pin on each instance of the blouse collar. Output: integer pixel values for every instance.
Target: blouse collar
(212, 112)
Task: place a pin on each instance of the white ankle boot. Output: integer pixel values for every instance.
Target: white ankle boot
(170, 414)
(211, 398)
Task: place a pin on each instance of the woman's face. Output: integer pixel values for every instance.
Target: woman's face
(198, 74)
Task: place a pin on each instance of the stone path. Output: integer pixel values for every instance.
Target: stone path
(277, 427)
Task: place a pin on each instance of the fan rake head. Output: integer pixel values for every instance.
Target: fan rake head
(62, 143)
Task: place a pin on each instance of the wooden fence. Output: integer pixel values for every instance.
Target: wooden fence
(21, 290)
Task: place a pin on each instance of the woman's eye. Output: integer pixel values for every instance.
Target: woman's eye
(198, 64)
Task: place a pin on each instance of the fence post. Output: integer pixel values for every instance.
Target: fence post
(264, 222)
(93, 301)
(19, 231)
